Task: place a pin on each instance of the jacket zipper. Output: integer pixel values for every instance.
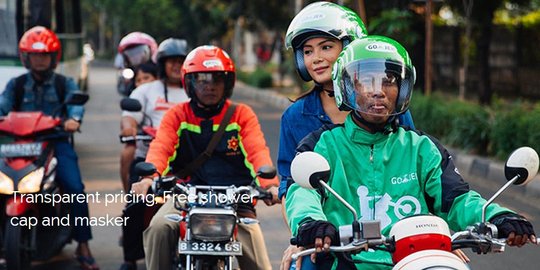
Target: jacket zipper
(371, 154)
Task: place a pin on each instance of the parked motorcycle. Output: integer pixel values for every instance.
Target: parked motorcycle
(209, 221)
(27, 170)
(420, 241)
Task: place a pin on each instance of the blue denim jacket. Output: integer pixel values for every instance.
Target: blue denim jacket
(39, 98)
(300, 119)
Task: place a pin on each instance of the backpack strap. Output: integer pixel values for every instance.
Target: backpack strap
(19, 92)
(207, 153)
(59, 87)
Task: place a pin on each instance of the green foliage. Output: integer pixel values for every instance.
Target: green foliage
(397, 24)
(260, 78)
(430, 114)
(496, 131)
(470, 127)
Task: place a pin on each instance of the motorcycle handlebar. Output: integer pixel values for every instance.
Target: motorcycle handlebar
(128, 139)
(355, 246)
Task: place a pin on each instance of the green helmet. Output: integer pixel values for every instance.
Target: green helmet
(321, 19)
(368, 65)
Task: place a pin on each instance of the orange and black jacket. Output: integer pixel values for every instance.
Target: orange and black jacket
(242, 150)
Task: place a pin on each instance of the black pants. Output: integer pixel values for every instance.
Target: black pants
(139, 217)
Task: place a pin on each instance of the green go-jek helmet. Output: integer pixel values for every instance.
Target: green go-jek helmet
(321, 19)
(368, 65)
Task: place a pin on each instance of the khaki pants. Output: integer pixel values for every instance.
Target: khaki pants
(161, 238)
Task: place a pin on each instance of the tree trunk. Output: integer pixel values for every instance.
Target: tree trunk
(484, 85)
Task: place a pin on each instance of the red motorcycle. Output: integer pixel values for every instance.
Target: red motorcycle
(35, 222)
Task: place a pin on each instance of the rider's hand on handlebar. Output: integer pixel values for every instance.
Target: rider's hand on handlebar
(275, 199)
(141, 187)
(516, 229)
(71, 125)
(318, 233)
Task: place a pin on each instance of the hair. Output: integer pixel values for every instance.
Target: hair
(148, 67)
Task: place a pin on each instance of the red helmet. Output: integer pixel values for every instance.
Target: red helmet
(39, 39)
(207, 59)
(137, 48)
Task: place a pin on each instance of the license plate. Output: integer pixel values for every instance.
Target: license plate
(210, 248)
(20, 149)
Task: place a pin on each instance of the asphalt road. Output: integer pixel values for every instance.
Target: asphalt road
(99, 149)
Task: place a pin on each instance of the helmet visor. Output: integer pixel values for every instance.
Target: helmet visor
(377, 87)
(200, 80)
(136, 55)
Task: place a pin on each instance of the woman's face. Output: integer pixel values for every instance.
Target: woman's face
(320, 53)
(173, 66)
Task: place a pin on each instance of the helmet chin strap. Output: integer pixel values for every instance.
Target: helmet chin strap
(329, 92)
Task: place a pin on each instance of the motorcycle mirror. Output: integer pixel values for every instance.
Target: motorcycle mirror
(308, 168)
(267, 172)
(523, 163)
(145, 168)
(128, 73)
(130, 105)
(77, 98)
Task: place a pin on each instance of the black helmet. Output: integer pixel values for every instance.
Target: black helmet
(171, 47)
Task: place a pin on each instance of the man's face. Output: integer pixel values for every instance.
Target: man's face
(376, 96)
(209, 87)
(173, 66)
(40, 61)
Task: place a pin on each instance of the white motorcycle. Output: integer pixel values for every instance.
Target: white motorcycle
(419, 241)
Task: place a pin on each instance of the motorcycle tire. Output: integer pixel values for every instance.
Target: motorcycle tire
(17, 243)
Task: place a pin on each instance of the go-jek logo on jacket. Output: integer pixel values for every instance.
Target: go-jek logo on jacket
(378, 207)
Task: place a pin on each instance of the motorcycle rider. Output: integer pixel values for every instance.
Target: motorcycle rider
(156, 98)
(374, 78)
(135, 48)
(186, 129)
(145, 73)
(40, 51)
(316, 42)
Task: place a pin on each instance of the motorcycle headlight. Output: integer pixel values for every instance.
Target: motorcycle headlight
(31, 182)
(208, 224)
(6, 184)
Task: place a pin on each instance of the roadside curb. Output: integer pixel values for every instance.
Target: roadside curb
(470, 166)
(491, 171)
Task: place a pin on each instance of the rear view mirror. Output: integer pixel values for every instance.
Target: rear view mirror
(77, 98)
(267, 172)
(522, 163)
(130, 105)
(308, 168)
(145, 169)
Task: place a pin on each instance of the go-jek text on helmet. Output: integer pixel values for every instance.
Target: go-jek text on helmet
(39, 39)
(137, 48)
(368, 65)
(208, 59)
(321, 19)
(171, 47)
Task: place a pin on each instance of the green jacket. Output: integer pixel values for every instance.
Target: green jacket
(385, 177)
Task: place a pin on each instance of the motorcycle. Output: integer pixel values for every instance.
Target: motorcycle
(209, 220)
(418, 241)
(28, 189)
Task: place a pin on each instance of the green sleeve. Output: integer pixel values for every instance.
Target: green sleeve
(302, 204)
